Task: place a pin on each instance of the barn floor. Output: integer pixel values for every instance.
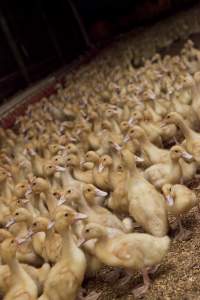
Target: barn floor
(178, 278)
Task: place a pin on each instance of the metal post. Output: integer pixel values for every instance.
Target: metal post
(13, 46)
(81, 25)
(51, 33)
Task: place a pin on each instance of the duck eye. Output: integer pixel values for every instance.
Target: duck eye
(89, 190)
(22, 186)
(168, 117)
(12, 242)
(54, 194)
(34, 183)
(50, 167)
(17, 214)
(66, 214)
(87, 230)
(34, 224)
(69, 191)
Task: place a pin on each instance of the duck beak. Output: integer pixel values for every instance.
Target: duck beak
(10, 223)
(28, 192)
(20, 241)
(187, 155)
(117, 147)
(126, 138)
(170, 200)
(24, 239)
(81, 241)
(61, 200)
(130, 121)
(24, 201)
(62, 147)
(50, 225)
(60, 169)
(25, 152)
(100, 193)
(32, 152)
(100, 168)
(139, 159)
(80, 216)
(163, 124)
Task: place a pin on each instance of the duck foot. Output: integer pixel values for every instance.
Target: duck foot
(183, 235)
(140, 291)
(154, 269)
(113, 275)
(127, 277)
(92, 296)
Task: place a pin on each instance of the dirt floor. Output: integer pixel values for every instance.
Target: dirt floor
(178, 277)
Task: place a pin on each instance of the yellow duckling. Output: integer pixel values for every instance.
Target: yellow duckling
(50, 247)
(180, 199)
(169, 172)
(100, 215)
(23, 220)
(74, 162)
(66, 276)
(22, 286)
(146, 204)
(151, 153)
(101, 173)
(40, 185)
(89, 193)
(192, 138)
(133, 251)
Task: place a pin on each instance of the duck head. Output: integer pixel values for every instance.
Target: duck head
(90, 192)
(21, 189)
(39, 185)
(105, 161)
(93, 231)
(66, 216)
(8, 249)
(167, 192)
(91, 156)
(177, 152)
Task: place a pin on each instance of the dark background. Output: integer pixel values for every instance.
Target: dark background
(40, 36)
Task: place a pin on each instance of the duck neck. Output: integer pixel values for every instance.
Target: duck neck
(84, 207)
(183, 127)
(67, 178)
(51, 202)
(70, 248)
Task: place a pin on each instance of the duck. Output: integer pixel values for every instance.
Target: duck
(132, 251)
(192, 138)
(146, 205)
(40, 185)
(49, 248)
(89, 193)
(100, 215)
(151, 153)
(74, 162)
(22, 285)
(23, 220)
(66, 276)
(101, 173)
(169, 172)
(180, 200)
